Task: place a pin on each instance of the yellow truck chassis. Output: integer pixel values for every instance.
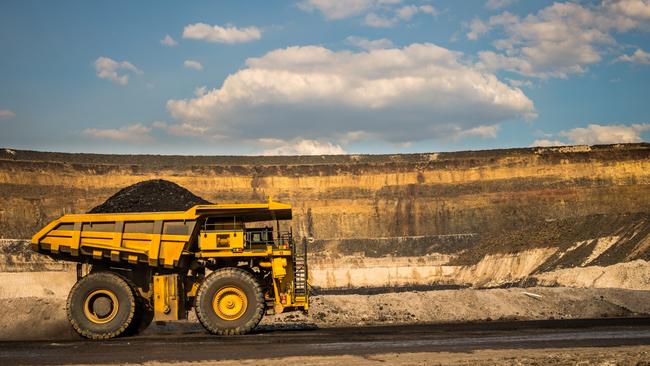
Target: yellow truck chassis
(134, 268)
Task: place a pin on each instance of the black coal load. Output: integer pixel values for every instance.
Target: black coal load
(150, 196)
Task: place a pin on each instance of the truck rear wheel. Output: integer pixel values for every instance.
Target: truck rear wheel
(229, 302)
(142, 318)
(101, 305)
(143, 315)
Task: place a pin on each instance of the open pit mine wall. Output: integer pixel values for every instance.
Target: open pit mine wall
(386, 220)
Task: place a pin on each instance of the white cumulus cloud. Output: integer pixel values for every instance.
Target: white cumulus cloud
(6, 114)
(302, 147)
(379, 21)
(368, 44)
(192, 64)
(557, 41)
(498, 4)
(390, 17)
(115, 71)
(520, 83)
(595, 134)
(168, 41)
(605, 134)
(638, 57)
(338, 9)
(218, 34)
(486, 132)
(135, 133)
(418, 92)
(639, 9)
(376, 13)
(547, 143)
(407, 12)
(187, 130)
(476, 28)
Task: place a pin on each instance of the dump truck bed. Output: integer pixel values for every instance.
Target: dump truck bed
(154, 238)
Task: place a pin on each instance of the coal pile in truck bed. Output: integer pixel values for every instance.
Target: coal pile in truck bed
(150, 196)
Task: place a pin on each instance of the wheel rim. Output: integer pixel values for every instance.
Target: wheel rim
(101, 306)
(230, 303)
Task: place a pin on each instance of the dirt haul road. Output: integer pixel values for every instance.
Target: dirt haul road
(567, 341)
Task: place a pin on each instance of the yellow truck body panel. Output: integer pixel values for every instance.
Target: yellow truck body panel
(156, 238)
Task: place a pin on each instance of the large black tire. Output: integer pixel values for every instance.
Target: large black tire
(231, 283)
(143, 311)
(142, 318)
(101, 305)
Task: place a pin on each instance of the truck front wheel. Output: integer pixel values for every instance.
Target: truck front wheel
(229, 302)
(101, 305)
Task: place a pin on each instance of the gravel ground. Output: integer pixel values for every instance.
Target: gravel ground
(25, 318)
(636, 356)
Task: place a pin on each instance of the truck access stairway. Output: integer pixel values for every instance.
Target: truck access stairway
(300, 269)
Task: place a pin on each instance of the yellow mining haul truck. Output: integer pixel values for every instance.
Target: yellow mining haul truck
(221, 260)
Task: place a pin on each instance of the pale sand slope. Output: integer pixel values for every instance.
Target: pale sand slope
(633, 275)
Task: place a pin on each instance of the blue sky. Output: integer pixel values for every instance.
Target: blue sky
(321, 76)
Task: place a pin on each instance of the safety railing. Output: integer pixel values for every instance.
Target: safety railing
(264, 237)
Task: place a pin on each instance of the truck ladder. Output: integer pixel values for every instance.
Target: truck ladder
(300, 269)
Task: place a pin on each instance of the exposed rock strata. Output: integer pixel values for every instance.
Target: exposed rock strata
(466, 203)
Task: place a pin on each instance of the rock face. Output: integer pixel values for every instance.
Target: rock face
(484, 218)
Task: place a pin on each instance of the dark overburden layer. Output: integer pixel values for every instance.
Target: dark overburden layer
(150, 196)
(359, 163)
